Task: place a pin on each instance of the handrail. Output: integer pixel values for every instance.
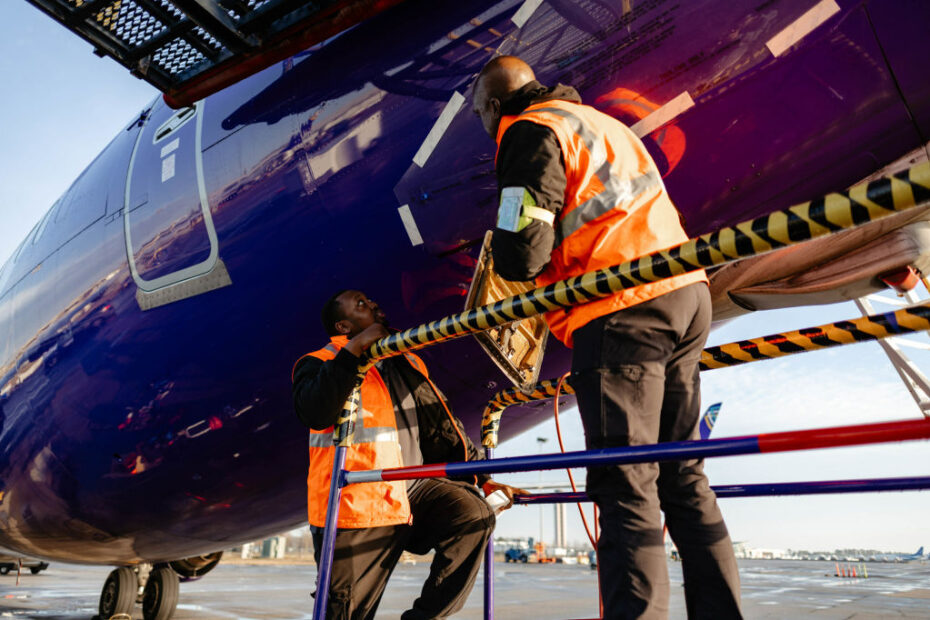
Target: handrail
(766, 489)
(862, 329)
(784, 441)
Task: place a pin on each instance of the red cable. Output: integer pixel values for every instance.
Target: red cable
(558, 432)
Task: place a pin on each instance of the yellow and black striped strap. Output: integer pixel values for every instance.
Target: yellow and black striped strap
(873, 327)
(859, 205)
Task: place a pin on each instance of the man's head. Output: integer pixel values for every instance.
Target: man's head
(499, 79)
(349, 312)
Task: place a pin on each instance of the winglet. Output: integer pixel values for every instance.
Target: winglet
(709, 419)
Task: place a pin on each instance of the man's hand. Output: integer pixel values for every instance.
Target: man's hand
(367, 337)
(490, 486)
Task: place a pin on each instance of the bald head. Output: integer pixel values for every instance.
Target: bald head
(500, 78)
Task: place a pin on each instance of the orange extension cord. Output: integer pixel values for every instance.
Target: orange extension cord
(558, 431)
(593, 538)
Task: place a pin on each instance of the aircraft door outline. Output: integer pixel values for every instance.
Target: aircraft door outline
(167, 145)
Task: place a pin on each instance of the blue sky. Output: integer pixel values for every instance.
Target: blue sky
(62, 105)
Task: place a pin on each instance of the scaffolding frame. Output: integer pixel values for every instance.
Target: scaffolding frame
(860, 204)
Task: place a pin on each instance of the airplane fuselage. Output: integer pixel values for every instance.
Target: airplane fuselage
(149, 323)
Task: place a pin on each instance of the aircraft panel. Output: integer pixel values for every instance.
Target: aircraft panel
(905, 39)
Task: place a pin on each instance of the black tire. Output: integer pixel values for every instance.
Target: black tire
(4, 570)
(119, 592)
(161, 594)
(35, 570)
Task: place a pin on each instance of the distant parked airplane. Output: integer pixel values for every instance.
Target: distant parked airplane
(907, 557)
(899, 557)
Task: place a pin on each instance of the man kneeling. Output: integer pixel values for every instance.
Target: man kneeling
(403, 421)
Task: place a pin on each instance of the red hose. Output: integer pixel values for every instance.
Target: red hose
(558, 432)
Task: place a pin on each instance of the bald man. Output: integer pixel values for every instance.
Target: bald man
(579, 192)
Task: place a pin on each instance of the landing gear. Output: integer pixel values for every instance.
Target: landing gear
(119, 592)
(160, 596)
(156, 588)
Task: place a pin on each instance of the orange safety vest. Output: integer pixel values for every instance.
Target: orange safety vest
(374, 446)
(615, 208)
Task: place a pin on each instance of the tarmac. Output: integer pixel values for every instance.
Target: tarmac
(770, 589)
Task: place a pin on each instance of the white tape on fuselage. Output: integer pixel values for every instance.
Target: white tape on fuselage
(439, 127)
(525, 12)
(410, 225)
(167, 168)
(171, 147)
(663, 115)
(802, 26)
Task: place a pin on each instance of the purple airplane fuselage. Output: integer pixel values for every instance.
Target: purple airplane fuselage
(149, 323)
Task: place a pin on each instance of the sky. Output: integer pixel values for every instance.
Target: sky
(63, 104)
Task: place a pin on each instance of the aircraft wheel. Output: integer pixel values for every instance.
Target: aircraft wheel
(119, 592)
(160, 596)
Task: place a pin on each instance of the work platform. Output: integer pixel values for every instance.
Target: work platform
(189, 49)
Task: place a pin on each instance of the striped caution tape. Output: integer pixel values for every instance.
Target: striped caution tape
(839, 211)
(345, 423)
(864, 329)
(490, 421)
(872, 327)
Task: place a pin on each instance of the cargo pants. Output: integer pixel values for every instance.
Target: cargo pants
(635, 374)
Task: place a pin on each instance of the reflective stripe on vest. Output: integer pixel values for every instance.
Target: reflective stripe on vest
(361, 435)
(616, 190)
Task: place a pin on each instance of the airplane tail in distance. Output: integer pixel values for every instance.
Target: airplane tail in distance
(920, 552)
(709, 419)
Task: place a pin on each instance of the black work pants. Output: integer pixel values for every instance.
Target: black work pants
(449, 517)
(635, 374)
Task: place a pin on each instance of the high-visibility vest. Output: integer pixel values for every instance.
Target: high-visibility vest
(615, 208)
(374, 446)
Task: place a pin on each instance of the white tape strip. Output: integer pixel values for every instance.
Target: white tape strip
(439, 128)
(167, 168)
(663, 115)
(410, 225)
(170, 147)
(802, 26)
(526, 11)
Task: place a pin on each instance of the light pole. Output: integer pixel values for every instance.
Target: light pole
(540, 441)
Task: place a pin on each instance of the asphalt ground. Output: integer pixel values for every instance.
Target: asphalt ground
(770, 589)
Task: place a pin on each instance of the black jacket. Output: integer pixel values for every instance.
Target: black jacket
(529, 156)
(321, 388)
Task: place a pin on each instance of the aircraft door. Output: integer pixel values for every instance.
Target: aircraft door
(170, 239)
